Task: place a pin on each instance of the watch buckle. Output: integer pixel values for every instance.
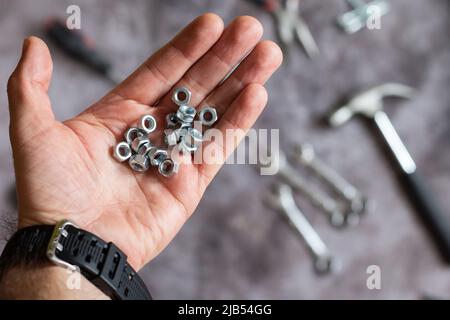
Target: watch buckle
(55, 245)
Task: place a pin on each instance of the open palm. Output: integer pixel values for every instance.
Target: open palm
(65, 170)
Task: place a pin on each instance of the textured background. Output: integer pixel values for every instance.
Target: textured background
(235, 247)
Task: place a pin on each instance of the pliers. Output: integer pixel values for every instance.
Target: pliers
(290, 25)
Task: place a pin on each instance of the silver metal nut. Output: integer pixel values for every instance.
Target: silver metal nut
(186, 147)
(181, 96)
(122, 151)
(140, 144)
(156, 155)
(148, 123)
(146, 149)
(139, 162)
(170, 137)
(194, 136)
(171, 120)
(208, 116)
(168, 167)
(186, 113)
(132, 133)
(181, 131)
(150, 150)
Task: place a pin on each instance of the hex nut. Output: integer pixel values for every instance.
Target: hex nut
(181, 132)
(168, 167)
(122, 151)
(139, 162)
(140, 144)
(189, 143)
(208, 116)
(181, 96)
(148, 123)
(186, 113)
(145, 148)
(195, 135)
(132, 133)
(170, 137)
(156, 155)
(186, 147)
(150, 150)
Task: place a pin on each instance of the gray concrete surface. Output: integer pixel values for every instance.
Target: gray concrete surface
(235, 247)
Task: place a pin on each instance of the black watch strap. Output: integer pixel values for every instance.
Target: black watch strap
(100, 262)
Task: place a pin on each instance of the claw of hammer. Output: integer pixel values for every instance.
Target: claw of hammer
(369, 102)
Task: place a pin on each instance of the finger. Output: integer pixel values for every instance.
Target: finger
(164, 68)
(239, 118)
(236, 41)
(257, 67)
(29, 103)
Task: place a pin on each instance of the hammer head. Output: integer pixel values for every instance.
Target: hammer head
(369, 102)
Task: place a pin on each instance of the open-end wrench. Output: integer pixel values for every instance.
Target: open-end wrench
(319, 198)
(305, 155)
(281, 198)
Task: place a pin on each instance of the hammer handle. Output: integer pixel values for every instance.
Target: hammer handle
(429, 210)
(432, 215)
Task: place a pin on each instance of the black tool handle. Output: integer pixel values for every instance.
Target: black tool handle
(77, 45)
(429, 210)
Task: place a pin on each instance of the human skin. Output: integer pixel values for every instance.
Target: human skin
(65, 170)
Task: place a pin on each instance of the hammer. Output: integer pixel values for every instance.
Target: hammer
(369, 103)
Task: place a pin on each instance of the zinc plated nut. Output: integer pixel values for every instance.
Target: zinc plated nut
(132, 133)
(208, 116)
(148, 123)
(167, 167)
(170, 137)
(122, 151)
(178, 94)
(186, 147)
(150, 150)
(156, 156)
(186, 113)
(139, 162)
(181, 132)
(140, 144)
(144, 149)
(194, 135)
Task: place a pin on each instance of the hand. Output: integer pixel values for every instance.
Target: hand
(65, 170)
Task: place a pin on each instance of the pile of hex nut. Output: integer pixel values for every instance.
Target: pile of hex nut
(141, 153)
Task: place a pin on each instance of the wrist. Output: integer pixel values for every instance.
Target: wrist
(47, 281)
(30, 250)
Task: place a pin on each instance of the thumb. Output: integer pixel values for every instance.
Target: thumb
(29, 103)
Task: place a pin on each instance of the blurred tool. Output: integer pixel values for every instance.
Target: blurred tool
(316, 196)
(355, 20)
(370, 104)
(79, 47)
(305, 155)
(282, 199)
(290, 25)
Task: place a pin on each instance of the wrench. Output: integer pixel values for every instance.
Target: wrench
(357, 203)
(282, 199)
(316, 196)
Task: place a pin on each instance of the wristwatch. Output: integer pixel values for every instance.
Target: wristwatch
(66, 245)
